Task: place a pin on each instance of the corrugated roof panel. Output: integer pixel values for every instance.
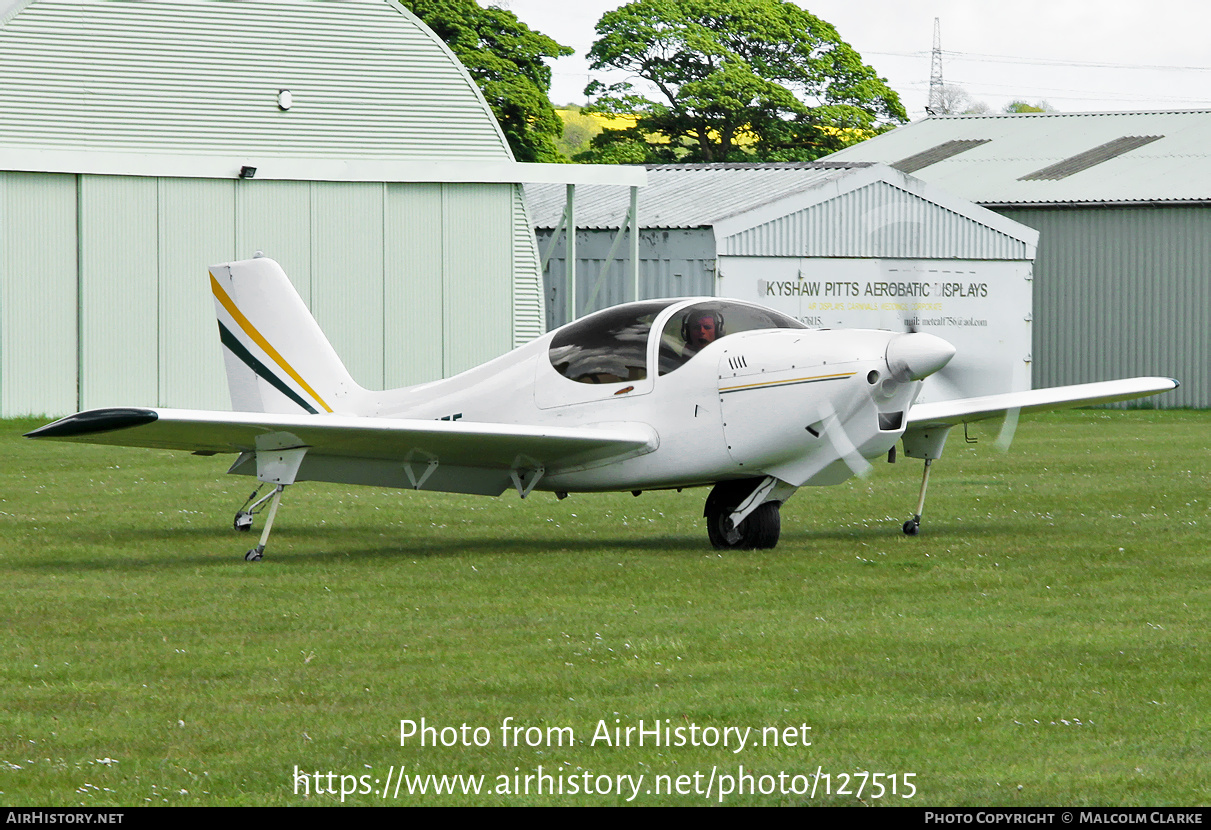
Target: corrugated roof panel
(1175, 168)
(799, 210)
(683, 196)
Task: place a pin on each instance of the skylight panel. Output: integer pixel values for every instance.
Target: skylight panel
(940, 153)
(1090, 158)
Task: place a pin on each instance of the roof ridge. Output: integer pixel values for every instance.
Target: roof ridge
(1100, 113)
(761, 165)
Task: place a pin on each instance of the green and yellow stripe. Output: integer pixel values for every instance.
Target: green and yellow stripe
(249, 329)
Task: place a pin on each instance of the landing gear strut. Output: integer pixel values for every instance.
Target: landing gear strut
(913, 526)
(926, 443)
(257, 553)
(278, 466)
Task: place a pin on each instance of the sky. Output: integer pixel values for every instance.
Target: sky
(1077, 55)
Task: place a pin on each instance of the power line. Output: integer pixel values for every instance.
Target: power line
(978, 57)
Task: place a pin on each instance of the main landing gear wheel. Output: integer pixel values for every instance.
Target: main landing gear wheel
(912, 527)
(758, 532)
(243, 521)
(256, 554)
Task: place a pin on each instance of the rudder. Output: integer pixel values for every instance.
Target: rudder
(277, 357)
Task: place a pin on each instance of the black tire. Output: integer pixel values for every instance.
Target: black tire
(762, 528)
(718, 530)
(759, 531)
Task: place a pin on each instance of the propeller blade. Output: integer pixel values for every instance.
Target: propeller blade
(1008, 427)
(834, 431)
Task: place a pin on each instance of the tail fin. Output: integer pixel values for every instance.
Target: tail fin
(278, 360)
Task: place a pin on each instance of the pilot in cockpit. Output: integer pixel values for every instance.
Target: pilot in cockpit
(702, 327)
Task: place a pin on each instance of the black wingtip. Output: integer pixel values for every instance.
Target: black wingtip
(93, 421)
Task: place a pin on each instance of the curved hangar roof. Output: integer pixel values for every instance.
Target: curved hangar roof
(365, 79)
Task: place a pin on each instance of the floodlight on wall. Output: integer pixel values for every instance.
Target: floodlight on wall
(247, 172)
(285, 99)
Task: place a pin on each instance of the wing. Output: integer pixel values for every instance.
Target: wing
(966, 410)
(455, 456)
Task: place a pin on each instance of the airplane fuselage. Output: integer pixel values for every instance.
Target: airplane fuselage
(807, 406)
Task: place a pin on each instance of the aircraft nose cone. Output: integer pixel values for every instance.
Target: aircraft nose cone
(917, 355)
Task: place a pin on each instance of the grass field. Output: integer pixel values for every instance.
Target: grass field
(1044, 641)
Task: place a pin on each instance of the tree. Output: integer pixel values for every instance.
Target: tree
(505, 59)
(737, 80)
(578, 130)
(950, 101)
(954, 100)
(1022, 106)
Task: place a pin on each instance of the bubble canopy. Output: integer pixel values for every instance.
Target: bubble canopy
(611, 346)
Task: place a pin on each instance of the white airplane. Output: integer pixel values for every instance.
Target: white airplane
(656, 394)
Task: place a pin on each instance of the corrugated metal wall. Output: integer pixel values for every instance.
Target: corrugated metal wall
(879, 220)
(38, 273)
(672, 263)
(415, 292)
(410, 281)
(1122, 292)
(477, 277)
(119, 292)
(208, 74)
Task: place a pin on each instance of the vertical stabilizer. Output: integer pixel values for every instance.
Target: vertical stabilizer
(278, 359)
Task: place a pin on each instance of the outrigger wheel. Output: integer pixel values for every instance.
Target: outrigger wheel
(759, 531)
(913, 526)
(243, 520)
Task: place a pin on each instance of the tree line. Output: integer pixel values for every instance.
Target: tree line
(713, 81)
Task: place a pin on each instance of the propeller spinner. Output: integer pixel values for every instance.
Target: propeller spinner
(916, 355)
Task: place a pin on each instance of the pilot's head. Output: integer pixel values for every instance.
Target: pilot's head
(702, 328)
